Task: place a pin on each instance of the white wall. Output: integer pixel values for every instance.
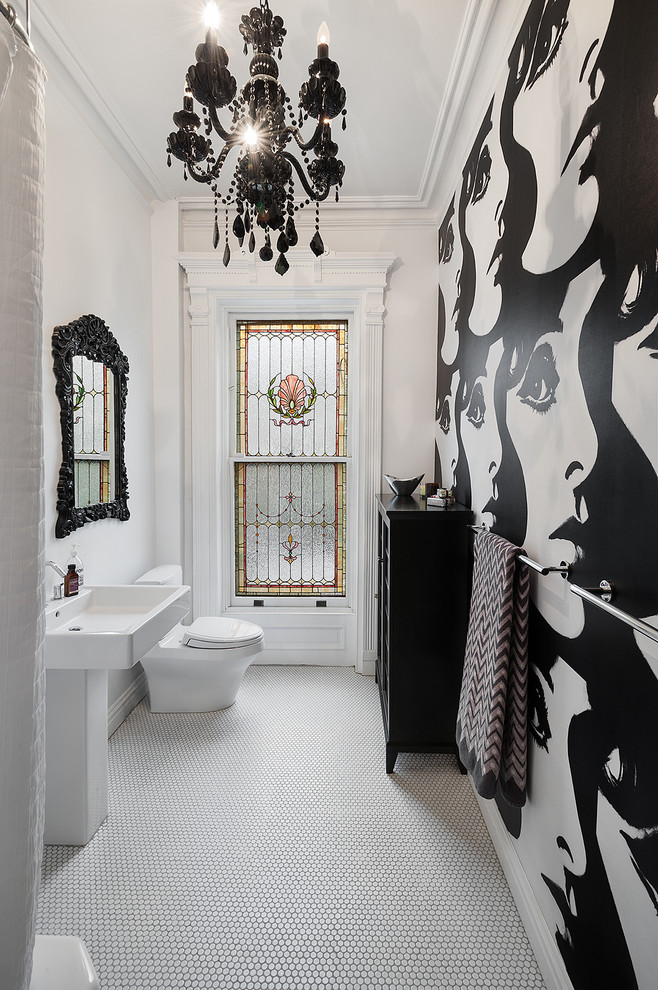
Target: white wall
(97, 260)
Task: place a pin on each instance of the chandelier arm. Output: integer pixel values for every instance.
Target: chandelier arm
(226, 136)
(211, 173)
(319, 197)
(311, 143)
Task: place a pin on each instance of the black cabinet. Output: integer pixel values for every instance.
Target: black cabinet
(422, 598)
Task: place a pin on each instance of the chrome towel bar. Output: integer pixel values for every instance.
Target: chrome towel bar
(9, 13)
(563, 569)
(593, 596)
(596, 596)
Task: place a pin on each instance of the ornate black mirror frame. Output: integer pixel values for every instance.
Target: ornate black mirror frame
(90, 337)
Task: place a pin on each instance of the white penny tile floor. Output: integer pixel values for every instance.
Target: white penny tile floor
(264, 848)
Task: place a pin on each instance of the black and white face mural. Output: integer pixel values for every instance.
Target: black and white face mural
(547, 424)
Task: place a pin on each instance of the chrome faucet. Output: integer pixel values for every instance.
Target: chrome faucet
(59, 587)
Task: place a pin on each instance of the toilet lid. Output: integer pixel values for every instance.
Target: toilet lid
(216, 632)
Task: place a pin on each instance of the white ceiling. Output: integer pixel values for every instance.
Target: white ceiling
(123, 64)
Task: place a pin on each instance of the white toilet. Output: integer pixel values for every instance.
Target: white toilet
(200, 667)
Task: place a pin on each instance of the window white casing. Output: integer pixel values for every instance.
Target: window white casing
(346, 286)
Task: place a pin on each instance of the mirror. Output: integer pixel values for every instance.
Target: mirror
(91, 382)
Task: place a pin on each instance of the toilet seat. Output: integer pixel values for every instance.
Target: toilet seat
(218, 633)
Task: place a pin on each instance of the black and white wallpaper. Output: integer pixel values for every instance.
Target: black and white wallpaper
(547, 425)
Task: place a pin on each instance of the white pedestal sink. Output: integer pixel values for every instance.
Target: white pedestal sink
(103, 627)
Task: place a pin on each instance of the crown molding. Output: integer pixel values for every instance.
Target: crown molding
(477, 21)
(198, 212)
(68, 70)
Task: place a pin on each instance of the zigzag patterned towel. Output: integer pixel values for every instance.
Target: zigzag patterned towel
(492, 719)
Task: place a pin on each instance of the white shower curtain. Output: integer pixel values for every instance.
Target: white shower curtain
(22, 679)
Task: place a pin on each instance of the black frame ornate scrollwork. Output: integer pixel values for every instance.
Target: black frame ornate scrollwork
(90, 337)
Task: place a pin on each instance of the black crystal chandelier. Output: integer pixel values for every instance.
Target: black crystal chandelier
(262, 185)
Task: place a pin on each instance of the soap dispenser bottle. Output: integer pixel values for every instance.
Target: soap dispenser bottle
(77, 563)
(71, 582)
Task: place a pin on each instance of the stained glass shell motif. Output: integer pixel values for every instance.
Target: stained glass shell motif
(290, 516)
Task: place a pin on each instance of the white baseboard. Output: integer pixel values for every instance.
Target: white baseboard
(124, 704)
(542, 941)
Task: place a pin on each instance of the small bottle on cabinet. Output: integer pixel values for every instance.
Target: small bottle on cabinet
(71, 582)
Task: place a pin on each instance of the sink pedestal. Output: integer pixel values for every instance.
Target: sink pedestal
(105, 627)
(76, 753)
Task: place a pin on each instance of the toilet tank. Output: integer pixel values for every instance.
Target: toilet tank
(163, 574)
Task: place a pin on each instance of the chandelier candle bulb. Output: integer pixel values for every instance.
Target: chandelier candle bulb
(211, 20)
(323, 40)
(211, 15)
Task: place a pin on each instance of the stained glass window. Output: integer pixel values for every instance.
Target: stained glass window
(290, 515)
(292, 389)
(93, 390)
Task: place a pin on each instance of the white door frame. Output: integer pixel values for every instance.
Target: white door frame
(351, 285)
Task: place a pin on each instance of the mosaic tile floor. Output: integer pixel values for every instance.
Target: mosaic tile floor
(265, 848)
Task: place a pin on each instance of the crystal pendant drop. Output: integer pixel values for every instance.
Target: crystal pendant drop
(238, 229)
(215, 235)
(281, 266)
(266, 253)
(282, 244)
(227, 255)
(317, 245)
(291, 232)
(247, 222)
(252, 243)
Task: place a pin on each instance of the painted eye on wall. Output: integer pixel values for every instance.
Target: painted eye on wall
(538, 710)
(444, 418)
(549, 38)
(482, 175)
(477, 406)
(651, 344)
(540, 381)
(448, 245)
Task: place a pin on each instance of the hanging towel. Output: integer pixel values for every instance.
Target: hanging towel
(492, 718)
